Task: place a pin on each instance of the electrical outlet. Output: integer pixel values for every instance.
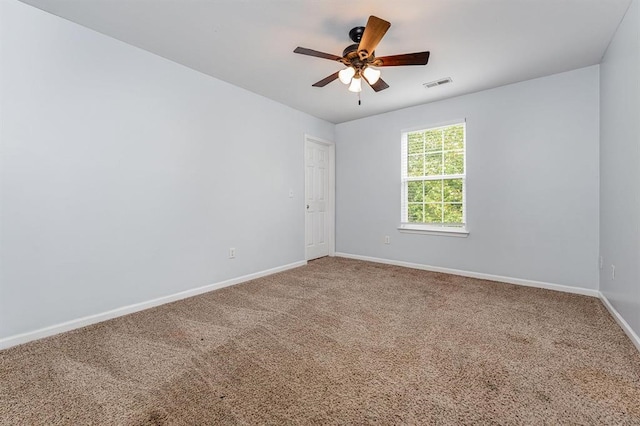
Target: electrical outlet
(232, 253)
(613, 272)
(387, 240)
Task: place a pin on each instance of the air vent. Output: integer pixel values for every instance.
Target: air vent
(437, 82)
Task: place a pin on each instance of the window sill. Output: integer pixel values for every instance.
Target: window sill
(447, 232)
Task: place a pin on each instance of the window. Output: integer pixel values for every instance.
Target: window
(433, 180)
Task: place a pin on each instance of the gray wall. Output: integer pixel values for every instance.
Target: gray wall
(620, 169)
(126, 177)
(532, 182)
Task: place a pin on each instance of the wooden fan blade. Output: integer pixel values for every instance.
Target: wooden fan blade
(380, 85)
(326, 80)
(311, 52)
(374, 31)
(418, 58)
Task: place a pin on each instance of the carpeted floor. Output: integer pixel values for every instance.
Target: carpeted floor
(336, 342)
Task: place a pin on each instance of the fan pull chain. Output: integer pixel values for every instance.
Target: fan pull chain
(359, 102)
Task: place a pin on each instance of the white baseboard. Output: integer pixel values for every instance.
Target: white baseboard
(621, 322)
(19, 339)
(479, 275)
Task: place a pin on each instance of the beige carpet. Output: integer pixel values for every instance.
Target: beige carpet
(336, 342)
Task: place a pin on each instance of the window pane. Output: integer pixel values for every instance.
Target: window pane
(415, 165)
(433, 191)
(414, 192)
(415, 143)
(433, 165)
(433, 157)
(453, 213)
(433, 213)
(414, 212)
(454, 137)
(452, 190)
(433, 140)
(453, 163)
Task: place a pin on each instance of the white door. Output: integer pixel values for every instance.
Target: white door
(318, 220)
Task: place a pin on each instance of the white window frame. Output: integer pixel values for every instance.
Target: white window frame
(455, 230)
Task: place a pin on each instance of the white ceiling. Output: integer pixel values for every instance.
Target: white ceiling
(480, 44)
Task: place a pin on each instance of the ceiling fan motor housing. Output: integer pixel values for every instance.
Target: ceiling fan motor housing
(352, 48)
(351, 57)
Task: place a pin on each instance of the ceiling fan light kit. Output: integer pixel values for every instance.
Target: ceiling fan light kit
(360, 58)
(356, 84)
(346, 75)
(372, 75)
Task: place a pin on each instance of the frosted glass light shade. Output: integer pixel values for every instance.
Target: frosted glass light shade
(346, 74)
(371, 75)
(356, 85)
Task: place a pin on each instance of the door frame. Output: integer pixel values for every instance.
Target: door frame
(331, 197)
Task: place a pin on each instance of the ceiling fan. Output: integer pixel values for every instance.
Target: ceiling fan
(360, 58)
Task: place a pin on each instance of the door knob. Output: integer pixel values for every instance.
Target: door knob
(307, 206)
